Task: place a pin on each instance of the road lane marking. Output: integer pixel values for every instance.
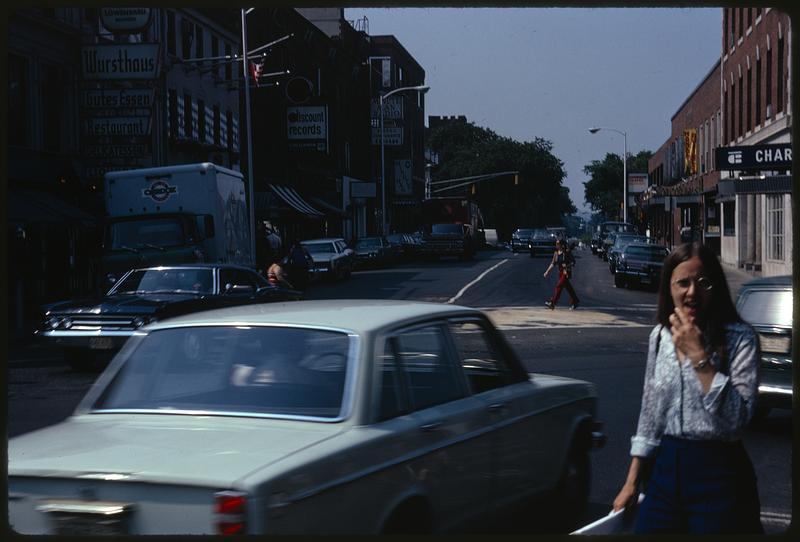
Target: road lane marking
(465, 288)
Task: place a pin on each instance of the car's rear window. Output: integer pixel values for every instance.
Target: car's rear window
(247, 370)
(767, 307)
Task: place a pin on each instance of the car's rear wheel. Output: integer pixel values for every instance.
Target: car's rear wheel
(571, 496)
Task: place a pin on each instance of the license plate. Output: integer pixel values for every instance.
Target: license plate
(779, 345)
(101, 343)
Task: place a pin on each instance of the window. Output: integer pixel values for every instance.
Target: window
(228, 63)
(731, 27)
(392, 402)
(188, 132)
(173, 113)
(739, 131)
(171, 32)
(775, 238)
(18, 90)
(481, 362)
(198, 38)
(52, 93)
(217, 126)
(725, 108)
(729, 218)
(779, 98)
(215, 52)
(768, 96)
(187, 35)
(749, 125)
(749, 17)
(229, 128)
(430, 373)
(201, 121)
(758, 91)
(741, 21)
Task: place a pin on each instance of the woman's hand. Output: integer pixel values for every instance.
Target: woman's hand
(627, 497)
(686, 336)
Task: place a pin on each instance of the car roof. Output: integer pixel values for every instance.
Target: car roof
(359, 315)
(195, 266)
(322, 240)
(782, 281)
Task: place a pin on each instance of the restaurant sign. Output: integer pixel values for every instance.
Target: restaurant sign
(120, 61)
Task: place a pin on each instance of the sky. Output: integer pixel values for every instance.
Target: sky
(556, 72)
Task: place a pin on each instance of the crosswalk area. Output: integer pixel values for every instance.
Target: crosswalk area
(518, 318)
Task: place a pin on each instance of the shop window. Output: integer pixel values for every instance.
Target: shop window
(729, 218)
(775, 236)
(18, 91)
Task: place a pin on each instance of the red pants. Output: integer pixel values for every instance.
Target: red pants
(563, 282)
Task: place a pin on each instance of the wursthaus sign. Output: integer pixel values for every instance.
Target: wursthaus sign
(755, 157)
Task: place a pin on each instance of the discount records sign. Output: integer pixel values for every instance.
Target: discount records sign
(307, 127)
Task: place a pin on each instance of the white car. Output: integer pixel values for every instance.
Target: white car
(309, 417)
(332, 258)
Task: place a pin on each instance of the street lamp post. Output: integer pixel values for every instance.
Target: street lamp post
(250, 189)
(419, 88)
(624, 167)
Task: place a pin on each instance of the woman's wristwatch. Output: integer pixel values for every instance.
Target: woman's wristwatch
(702, 364)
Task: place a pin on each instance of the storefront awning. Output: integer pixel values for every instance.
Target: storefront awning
(294, 200)
(328, 208)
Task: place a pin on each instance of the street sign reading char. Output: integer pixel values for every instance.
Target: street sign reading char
(755, 157)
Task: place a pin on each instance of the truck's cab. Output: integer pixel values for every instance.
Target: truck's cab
(175, 214)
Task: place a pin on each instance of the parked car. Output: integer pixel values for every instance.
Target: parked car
(640, 263)
(621, 240)
(404, 246)
(607, 228)
(520, 238)
(314, 417)
(333, 259)
(91, 330)
(766, 304)
(372, 252)
(542, 242)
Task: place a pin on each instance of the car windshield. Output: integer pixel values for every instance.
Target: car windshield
(523, 233)
(234, 370)
(320, 248)
(542, 234)
(622, 240)
(143, 281)
(447, 228)
(368, 242)
(149, 233)
(621, 227)
(654, 253)
(767, 307)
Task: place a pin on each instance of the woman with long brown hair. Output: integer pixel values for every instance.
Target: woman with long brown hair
(700, 388)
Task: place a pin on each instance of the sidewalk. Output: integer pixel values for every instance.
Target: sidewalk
(736, 278)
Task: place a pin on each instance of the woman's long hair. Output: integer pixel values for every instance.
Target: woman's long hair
(721, 310)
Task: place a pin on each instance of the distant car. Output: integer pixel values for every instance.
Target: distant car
(91, 330)
(607, 228)
(520, 238)
(373, 252)
(542, 242)
(621, 240)
(766, 304)
(314, 417)
(640, 263)
(333, 259)
(404, 246)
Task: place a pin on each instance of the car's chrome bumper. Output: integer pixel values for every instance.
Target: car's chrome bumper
(94, 340)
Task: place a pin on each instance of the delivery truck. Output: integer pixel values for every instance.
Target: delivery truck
(174, 214)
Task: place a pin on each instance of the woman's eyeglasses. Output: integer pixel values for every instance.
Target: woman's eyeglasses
(702, 283)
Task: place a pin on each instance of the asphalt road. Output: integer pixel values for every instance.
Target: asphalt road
(604, 342)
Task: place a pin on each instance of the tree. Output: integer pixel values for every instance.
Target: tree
(603, 191)
(539, 199)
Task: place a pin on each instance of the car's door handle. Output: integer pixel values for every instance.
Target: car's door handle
(430, 426)
(497, 407)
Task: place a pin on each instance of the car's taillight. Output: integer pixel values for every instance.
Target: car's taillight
(229, 507)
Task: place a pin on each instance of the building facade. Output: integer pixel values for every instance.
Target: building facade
(724, 176)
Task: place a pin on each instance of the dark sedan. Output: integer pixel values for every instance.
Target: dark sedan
(640, 263)
(766, 304)
(621, 240)
(404, 246)
(373, 252)
(542, 242)
(92, 330)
